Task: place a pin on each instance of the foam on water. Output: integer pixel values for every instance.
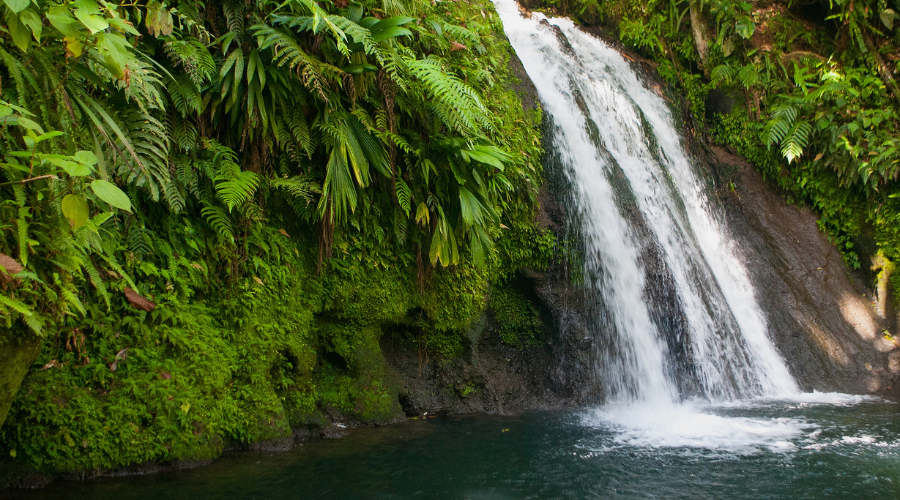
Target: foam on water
(686, 425)
(698, 424)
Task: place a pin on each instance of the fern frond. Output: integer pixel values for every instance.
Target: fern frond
(722, 73)
(456, 103)
(404, 195)
(796, 140)
(299, 186)
(748, 76)
(218, 218)
(234, 186)
(194, 57)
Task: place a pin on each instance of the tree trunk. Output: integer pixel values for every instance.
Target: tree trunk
(698, 30)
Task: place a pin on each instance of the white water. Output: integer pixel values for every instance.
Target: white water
(634, 194)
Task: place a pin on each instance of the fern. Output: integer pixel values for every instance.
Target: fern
(234, 186)
(185, 95)
(404, 195)
(721, 74)
(796, 140)
(779, 125)
(301, 187)
(457, 104)
(748, 76)
(288, 52)
(194, 57)
(218, 218)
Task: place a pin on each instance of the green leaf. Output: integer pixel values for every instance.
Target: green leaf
(61, 18)
(90, 6)
(110, 193)
(387, 23)
(469, 207)
(20, 34)
(389, 33)
(404, 195)
(356, 69)
(124, 26)
(75, 208)
(74, 46)
(32, 20)
(115, 49)
(744, 27)
(86, 157)
(48, 135)
(17, 5)
(422, 215)
(887, 18)
(71, 168)
(92, 22)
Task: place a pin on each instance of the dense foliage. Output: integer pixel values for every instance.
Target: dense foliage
(817, 106)
(212, 212)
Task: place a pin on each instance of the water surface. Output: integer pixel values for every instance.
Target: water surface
(842, 450)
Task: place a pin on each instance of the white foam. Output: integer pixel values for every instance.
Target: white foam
(858, 440)
(831, 398)
(689, 426)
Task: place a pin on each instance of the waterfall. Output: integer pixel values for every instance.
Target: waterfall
(674, 316)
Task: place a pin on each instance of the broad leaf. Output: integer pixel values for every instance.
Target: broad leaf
(89, 6)
(887, 17)
(20, 34)
(110, 193)
(74, 46)
(32, 21)
(75, 208)
(61, 18)
(17, 5)
(93, 22)
(72, 168)
(86, 157)
(389, 33)
(744, 27)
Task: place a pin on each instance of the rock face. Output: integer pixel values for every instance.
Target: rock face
(491, 377)
(16, 356)
(820, 314)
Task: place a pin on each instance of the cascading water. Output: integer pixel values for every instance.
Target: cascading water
(674, 306)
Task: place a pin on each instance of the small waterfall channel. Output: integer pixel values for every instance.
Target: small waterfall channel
(676, 325)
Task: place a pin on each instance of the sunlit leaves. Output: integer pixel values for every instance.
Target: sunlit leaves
(75, 208)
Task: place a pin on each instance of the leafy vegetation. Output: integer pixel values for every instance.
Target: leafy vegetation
(211, 210)
(815, 94)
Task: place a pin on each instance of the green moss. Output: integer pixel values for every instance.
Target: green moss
(455, 297)
(16, 356)
(520, 323)
(354, 377)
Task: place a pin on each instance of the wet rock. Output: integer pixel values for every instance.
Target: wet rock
(819, 312)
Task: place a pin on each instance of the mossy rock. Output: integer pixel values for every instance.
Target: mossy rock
(16, 356)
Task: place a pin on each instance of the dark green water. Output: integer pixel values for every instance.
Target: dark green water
(836, 452)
